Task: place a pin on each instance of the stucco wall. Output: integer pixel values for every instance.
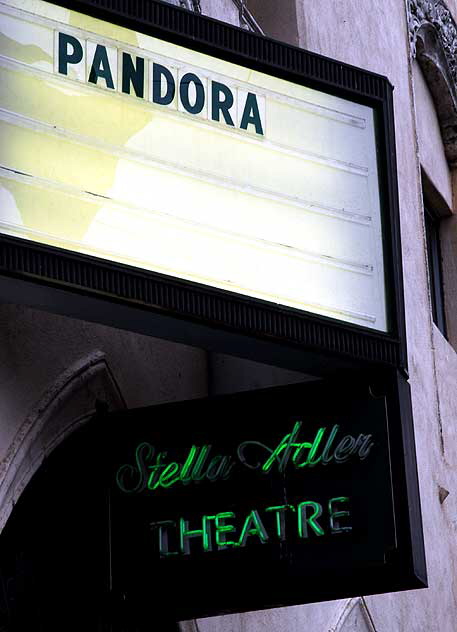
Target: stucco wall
(430, 144)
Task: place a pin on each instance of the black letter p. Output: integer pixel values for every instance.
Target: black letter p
(66, 57)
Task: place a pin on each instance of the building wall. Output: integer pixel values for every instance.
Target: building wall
(53, 369)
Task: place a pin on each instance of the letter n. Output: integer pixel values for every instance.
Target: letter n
(133, 75)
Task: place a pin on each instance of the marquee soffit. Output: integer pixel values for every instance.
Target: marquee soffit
(433, 41)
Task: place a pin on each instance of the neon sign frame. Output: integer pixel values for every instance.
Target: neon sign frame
(314, 527)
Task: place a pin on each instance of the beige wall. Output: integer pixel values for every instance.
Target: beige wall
(430, 144)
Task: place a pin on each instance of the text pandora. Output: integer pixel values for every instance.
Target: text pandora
(186, 90)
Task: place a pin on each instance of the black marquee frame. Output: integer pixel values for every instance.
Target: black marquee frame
(155, 304)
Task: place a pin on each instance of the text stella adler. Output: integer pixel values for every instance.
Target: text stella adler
(197, 95)
(153, 469)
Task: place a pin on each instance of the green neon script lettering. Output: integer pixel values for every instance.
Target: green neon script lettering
(154, 475)
(169, 476)
(201, 465)
(326, 457)
(313, 448)
(197, 471)
(131, 479)
(185, 476)
(285, 446)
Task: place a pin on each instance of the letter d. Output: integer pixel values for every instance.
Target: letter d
(158, 72)
(66, 57)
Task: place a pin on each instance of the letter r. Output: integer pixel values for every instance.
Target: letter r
(68, 57)
(221, 104)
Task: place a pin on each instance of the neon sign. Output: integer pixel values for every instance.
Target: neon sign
(305, 516)
(298, 482)
(152, 470)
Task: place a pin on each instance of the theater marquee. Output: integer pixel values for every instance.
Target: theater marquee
(142, 152)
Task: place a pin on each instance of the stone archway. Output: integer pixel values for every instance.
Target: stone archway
(66, 405)
(56, 549)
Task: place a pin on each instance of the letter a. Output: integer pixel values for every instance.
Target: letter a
(251, 114)
(100, 67)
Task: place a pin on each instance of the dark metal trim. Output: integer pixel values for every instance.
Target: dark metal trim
(215, 309)
(435, 268)
(410, 536)
(391, 229)
(162, 295)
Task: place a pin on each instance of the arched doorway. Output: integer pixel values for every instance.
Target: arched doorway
(55, 549)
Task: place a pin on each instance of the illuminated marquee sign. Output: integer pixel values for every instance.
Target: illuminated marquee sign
(144, 153)
(268, 498)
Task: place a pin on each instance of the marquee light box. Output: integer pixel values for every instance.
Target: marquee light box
(123, 146)
(201, 171)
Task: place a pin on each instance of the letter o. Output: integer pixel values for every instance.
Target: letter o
(186, 80)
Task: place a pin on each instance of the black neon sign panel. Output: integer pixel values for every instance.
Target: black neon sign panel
(264, 499)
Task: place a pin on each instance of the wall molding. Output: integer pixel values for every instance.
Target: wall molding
(433, 42)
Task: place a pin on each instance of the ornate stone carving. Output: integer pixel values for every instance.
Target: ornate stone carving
(433, 39)
(191, 5)
(435, 13)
